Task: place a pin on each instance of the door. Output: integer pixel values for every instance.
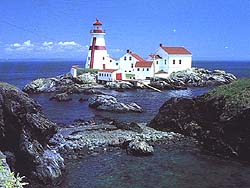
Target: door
(118, 76)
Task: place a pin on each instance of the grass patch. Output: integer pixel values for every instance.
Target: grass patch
(236, 93)
(83, 70)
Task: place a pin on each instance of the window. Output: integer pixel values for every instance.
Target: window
(100, 74)
(156, 62)
(125, 71)
(125, 58)
(147, 69)
(132, 65)
(143, 69)
(180, 61)
(88, 58)
(130, 58)
(110, 60)
(138, 69)
(129, 71)
(173, 61)
(117, 64)
(165, 61)
(103, 58)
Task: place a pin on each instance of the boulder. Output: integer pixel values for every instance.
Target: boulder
(61, 97)
(25, 131)
(119, 85)
(219, 120)
(139, 148)
(110, 103)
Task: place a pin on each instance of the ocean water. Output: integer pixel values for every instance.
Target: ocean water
(168, 167)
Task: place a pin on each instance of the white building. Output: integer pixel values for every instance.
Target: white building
(109, 75)
(170, 59)
(143, 70)
(98, 57)
(127, 64)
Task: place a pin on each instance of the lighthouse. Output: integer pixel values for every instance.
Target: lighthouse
(98, 57)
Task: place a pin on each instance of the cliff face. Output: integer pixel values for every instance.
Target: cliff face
(24, 132)
(219, 120)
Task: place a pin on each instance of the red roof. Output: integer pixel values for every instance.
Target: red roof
(108, 70)
(176, 50)
(97, 22)
(143, 64)
(136, 56)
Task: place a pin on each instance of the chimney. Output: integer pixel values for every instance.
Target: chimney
(128, 51)
(160, 44)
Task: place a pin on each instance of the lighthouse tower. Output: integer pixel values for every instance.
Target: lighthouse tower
(98, 57)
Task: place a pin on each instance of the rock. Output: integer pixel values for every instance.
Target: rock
(110, 103)
(61, 97)
(62, 84)
(49, 170)
(40, 85)
(139, 148)
(25, 131)
(128, 126)
(194, 77)
(119, 85)
(82, 100)
(85, 78)
(219, 120)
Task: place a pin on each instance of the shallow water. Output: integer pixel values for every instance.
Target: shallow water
(176, 167)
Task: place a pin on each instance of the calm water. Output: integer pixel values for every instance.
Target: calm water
(176, 167)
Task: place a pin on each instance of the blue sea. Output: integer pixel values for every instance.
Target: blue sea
(176, 167)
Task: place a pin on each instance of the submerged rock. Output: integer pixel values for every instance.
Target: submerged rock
(61, 97)
(219, 120)
(25, 131)
(110, 103)
(139, 148)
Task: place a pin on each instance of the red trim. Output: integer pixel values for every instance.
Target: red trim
(97, 31)
(92, 53)
(108, 70)
(97, 22)
(98, 47)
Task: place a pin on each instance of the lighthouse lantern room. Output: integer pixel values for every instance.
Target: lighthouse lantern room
(98, 57)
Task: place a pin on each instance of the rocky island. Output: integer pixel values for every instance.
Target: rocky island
(86, 82)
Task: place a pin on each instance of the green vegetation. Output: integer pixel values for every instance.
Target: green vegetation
(8, 179)
(237, 92)
(83, 70)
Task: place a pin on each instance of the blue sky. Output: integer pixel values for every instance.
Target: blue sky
(212, 30)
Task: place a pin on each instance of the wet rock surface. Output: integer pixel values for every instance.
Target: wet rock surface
(25, 132)
(194, 77)
(219, 119)
(73, 142)
(140, 148)
(110, 103)
(61, 97)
